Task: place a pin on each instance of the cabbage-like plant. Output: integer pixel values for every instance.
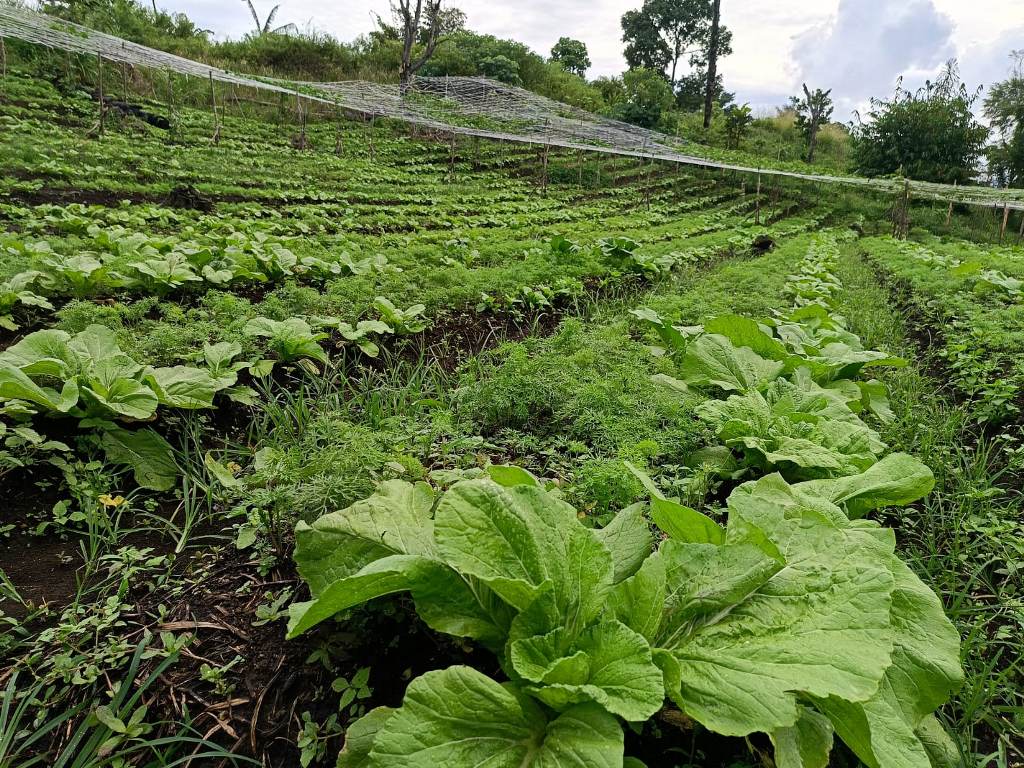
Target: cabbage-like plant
(18, 290)
(403, 322)
(80, 276)
(791, 621)
(89, 377)
(292, 340)
(165, 273)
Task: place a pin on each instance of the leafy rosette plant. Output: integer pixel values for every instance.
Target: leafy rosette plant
(18, 290)
(791, 621)
(89, 377)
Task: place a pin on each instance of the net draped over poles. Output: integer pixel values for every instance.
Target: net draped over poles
(467, 106)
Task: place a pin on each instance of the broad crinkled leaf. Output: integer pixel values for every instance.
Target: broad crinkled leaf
(95, 344)
(639, 601)
(609, 664)
(806, 744)
(628, 538)
(685, 524)
(518, 540)
(125, 398)
(44, 353)
(382, 545)
(182, 387)
(15, 385)
(460, 718)
(713, 360)
(150, 457)
(896, 480)
(820, 623)
(744, 332)
(926, 670)
(359, 738)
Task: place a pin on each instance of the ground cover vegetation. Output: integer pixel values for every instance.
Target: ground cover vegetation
(374, 448)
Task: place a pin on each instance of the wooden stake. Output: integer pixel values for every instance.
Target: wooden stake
(949, 213)
(3, 67)
(451, 157)
(170, 104)
(302, 120)
(213, 108)
(757, 212)
(103, 111)
(544, 178)
(124, 82)
(1020, 234)
(373, 146)
(1006, 220)
(579, 164)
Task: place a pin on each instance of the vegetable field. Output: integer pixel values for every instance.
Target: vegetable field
(374, 447)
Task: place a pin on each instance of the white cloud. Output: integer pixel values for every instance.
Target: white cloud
(858, 47)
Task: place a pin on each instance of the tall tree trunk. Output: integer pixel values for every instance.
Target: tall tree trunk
(814, 142)
(709, 94)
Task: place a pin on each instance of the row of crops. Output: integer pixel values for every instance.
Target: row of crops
(389, 452)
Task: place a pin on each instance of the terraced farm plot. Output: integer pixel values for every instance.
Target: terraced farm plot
(391, 451)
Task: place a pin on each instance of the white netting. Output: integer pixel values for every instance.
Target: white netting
(462, 105)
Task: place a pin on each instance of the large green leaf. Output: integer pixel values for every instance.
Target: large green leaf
(609, 664)
(182, 387)
(94, 345)
(44, 353)
(460, 718)
(628, 538)
(820, 623)
(382, 545)
(149, 455)
(15, 385)
(806, 744)
(896, 480)
(124, 398)
(744, 332)
(884, 731)
(521, 539)
(713, 361)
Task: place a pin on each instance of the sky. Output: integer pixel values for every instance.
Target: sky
(856, 47)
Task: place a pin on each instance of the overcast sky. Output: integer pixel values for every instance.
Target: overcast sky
(856, 47)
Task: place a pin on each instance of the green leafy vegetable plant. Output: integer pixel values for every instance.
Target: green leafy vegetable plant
(791, 621)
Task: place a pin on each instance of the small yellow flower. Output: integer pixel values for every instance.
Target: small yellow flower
(111, 501)
(235, 467)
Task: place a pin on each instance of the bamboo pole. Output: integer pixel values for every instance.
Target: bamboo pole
(103, 111)
(213, 108)
(1006, 220)
(3, 67)
(451, 157)
(1020, 234)
(757, 213)
(373, 146)
(949, 213)
(544, 178)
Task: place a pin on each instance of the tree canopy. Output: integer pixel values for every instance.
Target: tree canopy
(662, 32)
(1004, 108)
(572, 55)
(930, 134)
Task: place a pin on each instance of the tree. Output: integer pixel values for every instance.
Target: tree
(812, 111)
(264, 28)
(661, 32)
(412, 18)
(647, 97)
(713, 53)
(930, 134)
(571, 54)
(738, 119)
(1004, 108)
(501, 68)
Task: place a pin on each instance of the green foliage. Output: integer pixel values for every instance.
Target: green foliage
(930, 135)
(593, 625)
(812, 112)
(291, 340)
(647, 98)
(571, 54)
(738, 119)
(1004, 108)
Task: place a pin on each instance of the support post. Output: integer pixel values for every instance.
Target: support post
(302, 120)
(103, 110)
(1006, 220)
(544, 177)
(3, 67)
(949, 212)
(213, 108)
(124, 82)
(1020, 234)
(757, 210)
(451, 157)
(373, 146)
(170, 105)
